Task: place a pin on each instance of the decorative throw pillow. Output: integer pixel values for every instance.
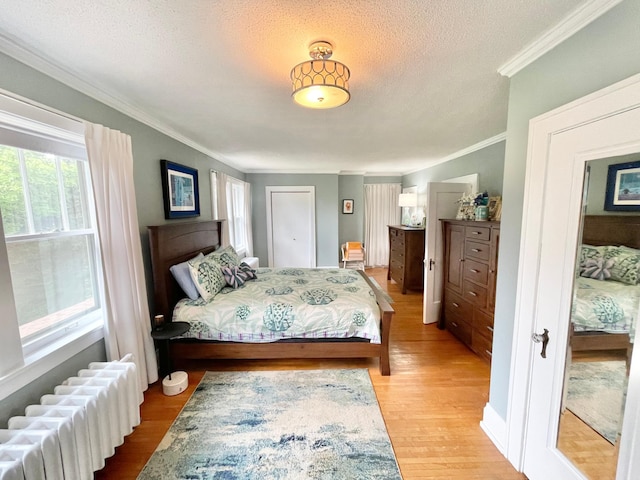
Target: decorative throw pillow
(589, 257)
(207, 277)
(599, 269)
(181, 273)
(226, 256)
(234, 277)
(249, 272)
(626, 268)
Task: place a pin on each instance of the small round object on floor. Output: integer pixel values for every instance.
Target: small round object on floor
(175, 383)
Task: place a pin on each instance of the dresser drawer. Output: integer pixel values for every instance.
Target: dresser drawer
(481, 345)
(459, 328)
(396, 235)
(476, 250)
(483, 324)
(478, 233)
(476, 272)
(474, 294)
(456, 304)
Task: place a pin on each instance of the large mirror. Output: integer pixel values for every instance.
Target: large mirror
(605, 307)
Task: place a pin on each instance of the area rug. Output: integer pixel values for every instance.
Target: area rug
(303, 424)
(596, 394)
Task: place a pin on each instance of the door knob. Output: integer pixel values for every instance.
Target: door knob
(544, 338)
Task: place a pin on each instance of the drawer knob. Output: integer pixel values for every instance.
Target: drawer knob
(455, 304)
(489, 328)
(454, 324)
(476, 233)
(476, 250)
(473, 294)
(474, 270)
(488, 353)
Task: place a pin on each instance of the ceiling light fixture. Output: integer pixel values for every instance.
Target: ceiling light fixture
(320, 82)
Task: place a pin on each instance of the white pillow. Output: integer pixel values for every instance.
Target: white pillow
(181, 273)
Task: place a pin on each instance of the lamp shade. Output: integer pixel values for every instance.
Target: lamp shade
(320, 83)
(408, 200)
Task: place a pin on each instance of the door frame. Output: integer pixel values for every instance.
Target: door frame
(610, 101)
(311, 191)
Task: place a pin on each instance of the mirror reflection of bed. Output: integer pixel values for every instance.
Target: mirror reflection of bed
(604, 310)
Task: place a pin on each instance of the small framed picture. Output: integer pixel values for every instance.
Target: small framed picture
(495, 208)
(623, 187)
(347, 206)
(180, 190)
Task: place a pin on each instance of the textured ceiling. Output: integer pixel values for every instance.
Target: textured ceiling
(424, 81)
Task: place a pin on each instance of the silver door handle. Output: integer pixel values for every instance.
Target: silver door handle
(544, 338)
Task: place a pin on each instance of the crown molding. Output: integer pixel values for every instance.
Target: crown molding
(77, 82)
(572, 23)
(465, 151)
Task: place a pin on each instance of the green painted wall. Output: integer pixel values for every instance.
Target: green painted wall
(351, 226)
(488, 163)
(601, 54)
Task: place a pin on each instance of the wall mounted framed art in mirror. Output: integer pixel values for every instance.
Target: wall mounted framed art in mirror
(179, 190)
(623, 187)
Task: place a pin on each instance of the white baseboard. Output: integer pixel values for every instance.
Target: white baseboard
(495, 427)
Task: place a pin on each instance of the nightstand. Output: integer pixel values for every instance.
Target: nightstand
(176, 382)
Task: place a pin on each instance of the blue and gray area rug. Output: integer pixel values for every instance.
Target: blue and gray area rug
(596, 395)
(303, 424)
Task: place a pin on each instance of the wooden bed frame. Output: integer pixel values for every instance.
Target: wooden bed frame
(607, 230)
(177, 242)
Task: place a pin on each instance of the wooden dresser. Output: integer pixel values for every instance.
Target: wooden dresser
(406, 257)
(470, 270)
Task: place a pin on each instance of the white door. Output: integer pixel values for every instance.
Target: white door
(441, 203)
(291, 232)
(560, 143)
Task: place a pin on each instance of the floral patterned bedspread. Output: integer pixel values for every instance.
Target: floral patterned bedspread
(606, 306)
(286, 303)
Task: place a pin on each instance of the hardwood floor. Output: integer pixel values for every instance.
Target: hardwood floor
(432, 402)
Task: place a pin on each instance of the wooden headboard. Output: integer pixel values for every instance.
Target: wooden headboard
(174, 243)
(612, 230)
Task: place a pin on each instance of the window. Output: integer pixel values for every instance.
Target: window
(50, 268)
(231, 200)
(49, 240)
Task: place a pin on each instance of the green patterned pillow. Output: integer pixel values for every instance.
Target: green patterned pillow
(626, 266)
(207, 276)
(226, 256)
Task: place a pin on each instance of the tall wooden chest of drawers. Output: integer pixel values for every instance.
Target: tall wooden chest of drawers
(470, 270)
(406, 257)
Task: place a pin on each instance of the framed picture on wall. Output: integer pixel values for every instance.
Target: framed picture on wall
(180, 190)
(623, 187)
(347, 206)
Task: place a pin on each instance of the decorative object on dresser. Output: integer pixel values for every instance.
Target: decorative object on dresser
(470, 270)
(406, 256)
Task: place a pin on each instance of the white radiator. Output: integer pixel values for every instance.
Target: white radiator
(71, 433)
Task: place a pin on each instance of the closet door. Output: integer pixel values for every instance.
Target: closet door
(291, 231)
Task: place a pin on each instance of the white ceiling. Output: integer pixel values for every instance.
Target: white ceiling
(424, 73)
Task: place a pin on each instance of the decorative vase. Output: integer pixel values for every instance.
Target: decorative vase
(482, 213)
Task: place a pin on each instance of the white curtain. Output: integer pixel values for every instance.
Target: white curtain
(219, 202)
(247, 219)
(380, 210)
(127, 322)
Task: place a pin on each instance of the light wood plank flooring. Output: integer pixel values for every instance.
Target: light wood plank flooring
(432, 402)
